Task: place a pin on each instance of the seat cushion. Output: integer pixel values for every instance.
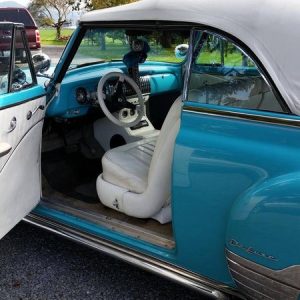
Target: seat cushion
(128, 166)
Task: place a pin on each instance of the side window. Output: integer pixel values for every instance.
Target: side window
(22, 73)
(222, 74)
(5, 56)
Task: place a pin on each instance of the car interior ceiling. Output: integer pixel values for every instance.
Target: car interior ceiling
(71, 163)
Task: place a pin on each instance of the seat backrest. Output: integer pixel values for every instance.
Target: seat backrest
(161, 164)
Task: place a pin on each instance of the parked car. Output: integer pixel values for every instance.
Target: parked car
(22, 15)
(167, 136)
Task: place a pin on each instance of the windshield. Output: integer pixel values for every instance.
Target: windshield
(106, 45)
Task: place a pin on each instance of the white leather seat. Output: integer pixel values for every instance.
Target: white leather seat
(136, 178)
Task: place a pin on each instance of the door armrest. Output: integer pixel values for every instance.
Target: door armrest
(4, 149)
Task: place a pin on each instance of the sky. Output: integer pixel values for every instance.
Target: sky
(22, 2)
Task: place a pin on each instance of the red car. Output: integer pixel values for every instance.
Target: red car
(22, 15)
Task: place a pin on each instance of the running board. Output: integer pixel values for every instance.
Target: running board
(113, 224)
(201, 284)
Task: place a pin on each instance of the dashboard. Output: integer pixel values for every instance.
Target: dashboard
(78, 91)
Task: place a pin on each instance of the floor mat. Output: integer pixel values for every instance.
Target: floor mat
(72, 174)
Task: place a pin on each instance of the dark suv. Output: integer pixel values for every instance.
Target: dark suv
(22, 15)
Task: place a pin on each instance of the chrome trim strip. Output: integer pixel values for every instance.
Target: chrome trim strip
(188, 65)
(203, 285)
(254, 279)
(242, 116)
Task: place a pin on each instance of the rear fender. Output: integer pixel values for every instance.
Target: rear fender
(264, 225)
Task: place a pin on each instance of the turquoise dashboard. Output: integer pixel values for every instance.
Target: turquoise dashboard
(163, 77)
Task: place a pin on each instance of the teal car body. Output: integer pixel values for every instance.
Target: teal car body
(235, 174)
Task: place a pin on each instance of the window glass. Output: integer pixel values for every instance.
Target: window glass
(17, 16)
(22, 76)
(5, 54)
(222, 74)
(105, 45)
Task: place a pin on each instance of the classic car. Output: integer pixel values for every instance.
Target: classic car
(167, 136)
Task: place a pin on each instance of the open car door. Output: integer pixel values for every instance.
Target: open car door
(22, 110)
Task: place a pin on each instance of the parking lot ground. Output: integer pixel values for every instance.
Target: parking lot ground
(54, 52)
(36, 264)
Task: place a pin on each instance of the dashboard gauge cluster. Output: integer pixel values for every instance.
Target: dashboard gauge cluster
(81, 95)
(85, 97)
(128, 91)
(144, 86)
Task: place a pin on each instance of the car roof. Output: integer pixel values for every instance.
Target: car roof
(270, 28)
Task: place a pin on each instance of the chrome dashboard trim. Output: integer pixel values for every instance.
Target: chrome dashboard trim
(242, 116)
(203, 285)
(259, 282)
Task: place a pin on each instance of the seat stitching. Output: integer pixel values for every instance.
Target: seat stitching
(143, 150)
(149, 147)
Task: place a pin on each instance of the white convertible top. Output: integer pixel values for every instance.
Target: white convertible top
(270, 28)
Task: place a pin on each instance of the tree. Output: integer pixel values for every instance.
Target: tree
(99, 4)
(51, 12)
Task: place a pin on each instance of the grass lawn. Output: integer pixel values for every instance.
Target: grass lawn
(115, 50)
(48, 36)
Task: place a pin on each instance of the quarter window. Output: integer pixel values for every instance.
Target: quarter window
(5, 56)
(222, 74)
(21, 75)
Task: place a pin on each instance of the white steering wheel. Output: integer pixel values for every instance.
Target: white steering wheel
(140, 107)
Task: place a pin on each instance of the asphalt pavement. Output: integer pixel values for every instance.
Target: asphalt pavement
(54, 52)
(36, 264)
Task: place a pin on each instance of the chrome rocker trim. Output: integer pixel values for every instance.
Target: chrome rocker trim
(201, 284)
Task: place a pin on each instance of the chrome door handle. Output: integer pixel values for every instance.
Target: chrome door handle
(12, 125)
(31, 113)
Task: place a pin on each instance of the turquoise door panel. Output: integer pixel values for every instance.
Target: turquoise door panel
(235, 179)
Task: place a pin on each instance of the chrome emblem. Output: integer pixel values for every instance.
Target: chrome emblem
(251, 250)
